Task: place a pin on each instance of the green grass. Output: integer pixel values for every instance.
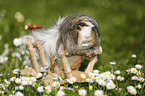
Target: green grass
(121, 23)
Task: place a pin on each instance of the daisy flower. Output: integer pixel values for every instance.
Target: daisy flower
(82, 92)
(1, 59)
(13, 79)
(102, 82)
(21, 87)
(83, 76)
(69, 81)
(19, 94)
(48, 89)
(130, 88)
(133, 56)
(17, 41)
(141, 79)
(134, 92)
(18, 80)
(90, 87)
(73, 79)
(117, 72)
(89, 80)
(40, 89)
(60, 93)
(110, 85)
(98, 93)
(39, 75)
(91, 75)
(112, 63)
(96, 71)
(134, 78)
(133, 70)
(33, 79)
(24, 82)
(139, 86)
(112, 76)
(138, 66)
(55, 84)
(120, 78)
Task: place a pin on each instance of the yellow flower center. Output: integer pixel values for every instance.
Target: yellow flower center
(133, 92)
(110, 85)
(120, 78)
(13, 79)
(98, 95)
(140, 79)
(18, 81)
(111, 76)
(56, 84)
(47, 90)
(91, 75)
(82, 76)
(34, 84)
(82, 93)
(138, 67)
(101, 83)
(133, 71)
(139, 74)
(38, 75)
(19, 95)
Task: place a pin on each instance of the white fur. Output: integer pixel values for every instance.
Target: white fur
(50, 36)
(85, 33)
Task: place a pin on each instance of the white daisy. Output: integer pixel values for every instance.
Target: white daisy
(110, 85)
(40, 89)
(120, 78)
(1, 59)
(130, 88)
(102, 82)
(19, 94)
(117, 72)
(138, 66)
(134, 78)
(90, 87)
(48, 89)
(139, 86)
(98, 93)
(91, 75)
(133, 70)
(17, 41)
(134, 92)
(73, 79)
(112, 63)
(83, 76)
(141, 79)
(133, 56)
(18, 80)
(21, 87)
(55, 84)
(82, 92)
(60, 93)
(39, 75)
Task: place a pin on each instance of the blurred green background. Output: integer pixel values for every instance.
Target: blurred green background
(122, 24)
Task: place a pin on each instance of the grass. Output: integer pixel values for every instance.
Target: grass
(122, 34)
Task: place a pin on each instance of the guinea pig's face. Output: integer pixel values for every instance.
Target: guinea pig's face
(86, 34)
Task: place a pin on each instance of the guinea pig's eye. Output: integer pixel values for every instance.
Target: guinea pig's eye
(78, 28)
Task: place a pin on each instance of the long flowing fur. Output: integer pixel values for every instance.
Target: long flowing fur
(64, 36)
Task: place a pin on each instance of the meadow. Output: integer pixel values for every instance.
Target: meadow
(122, 38)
